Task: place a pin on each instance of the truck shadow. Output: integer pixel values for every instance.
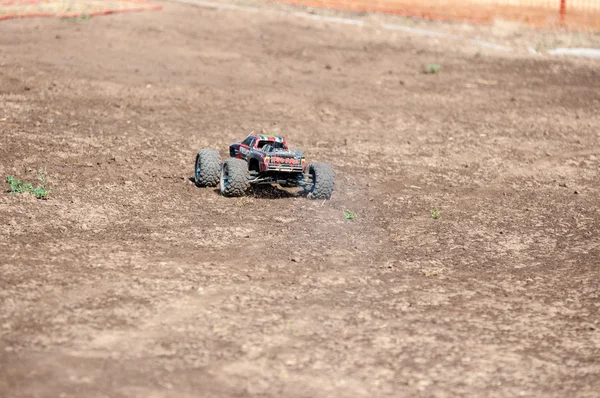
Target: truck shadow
(272, 192)
(267, 192)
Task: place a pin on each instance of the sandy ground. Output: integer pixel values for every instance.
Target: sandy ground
(131, 282)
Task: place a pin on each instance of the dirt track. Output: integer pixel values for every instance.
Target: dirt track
(132, 282)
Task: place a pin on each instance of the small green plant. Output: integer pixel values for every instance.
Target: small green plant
(432, 68)
(290, 327)
(350, 215)
(40, 191)
(83, 17)
(16, 186)
(435, 214)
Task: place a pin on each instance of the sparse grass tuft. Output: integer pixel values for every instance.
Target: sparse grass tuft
(435, 214)
(290, 327)
(350, 215)
(432, 68)
(432, 272)
(82, 18)
(41, 191)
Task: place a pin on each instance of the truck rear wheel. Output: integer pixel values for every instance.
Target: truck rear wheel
(322, 181)
(234, 177)
(207, 168)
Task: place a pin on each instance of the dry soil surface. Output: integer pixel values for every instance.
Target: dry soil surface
(131, 282)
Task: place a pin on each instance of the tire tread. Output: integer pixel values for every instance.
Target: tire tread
(238, 177)
(210, 168)
(324, 181)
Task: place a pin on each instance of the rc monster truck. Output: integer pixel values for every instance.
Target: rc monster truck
(262, 159)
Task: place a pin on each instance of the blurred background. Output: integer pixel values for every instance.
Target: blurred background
(548, 14)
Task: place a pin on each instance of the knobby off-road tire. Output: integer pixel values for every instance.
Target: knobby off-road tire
(323, 181)
(234, 177)
(208, 168)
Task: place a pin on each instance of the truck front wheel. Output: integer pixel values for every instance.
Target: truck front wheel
(206, 170)
(322, 181)
(234, 177)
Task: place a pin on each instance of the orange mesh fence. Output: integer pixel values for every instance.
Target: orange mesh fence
(69, 8)
(569, 14)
